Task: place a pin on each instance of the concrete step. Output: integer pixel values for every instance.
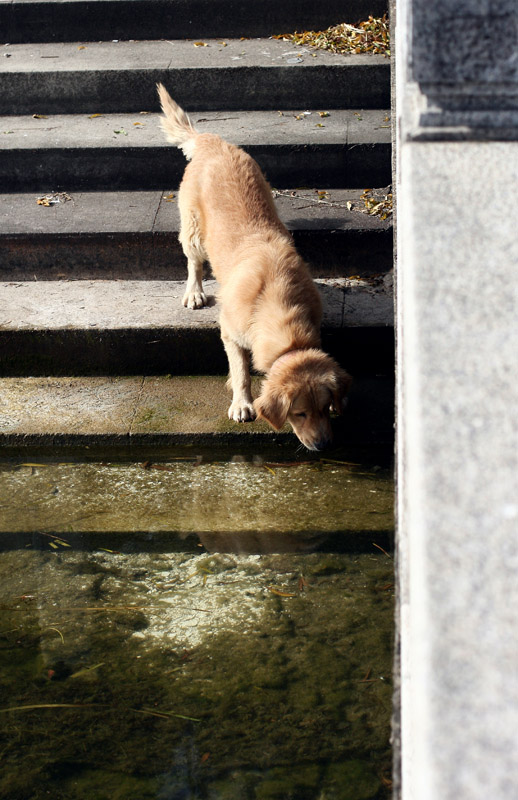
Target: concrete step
(133, 327)
(134, 235)
(128, 151)
(105, 77)
(144, 412)
(93, 20)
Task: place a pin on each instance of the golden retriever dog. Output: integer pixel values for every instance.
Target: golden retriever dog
(270, 307)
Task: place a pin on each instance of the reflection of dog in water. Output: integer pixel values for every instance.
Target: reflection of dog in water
(257, 543)
(270, 306)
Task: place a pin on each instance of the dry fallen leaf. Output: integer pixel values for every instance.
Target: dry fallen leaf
(93, 116)
(200, 44)
(39, 116)
(52, 199)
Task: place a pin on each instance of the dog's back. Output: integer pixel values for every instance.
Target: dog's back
(233, 199)
(222, 188)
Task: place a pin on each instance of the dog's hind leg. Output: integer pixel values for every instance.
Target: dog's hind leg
(241, 409)
(194, 296)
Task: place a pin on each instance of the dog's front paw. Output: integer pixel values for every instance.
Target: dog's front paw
(241, 411)
(195, 299)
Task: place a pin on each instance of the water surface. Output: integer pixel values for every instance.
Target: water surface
(203, 630)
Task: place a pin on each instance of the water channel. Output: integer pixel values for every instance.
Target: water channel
(180, 627)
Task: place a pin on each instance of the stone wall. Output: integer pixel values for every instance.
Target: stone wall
(457, 309)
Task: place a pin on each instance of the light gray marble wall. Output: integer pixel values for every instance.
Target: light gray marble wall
(457, 309)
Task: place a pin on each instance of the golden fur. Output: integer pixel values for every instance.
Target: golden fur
(270, 307)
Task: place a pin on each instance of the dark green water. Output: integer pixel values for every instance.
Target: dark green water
(200, 631)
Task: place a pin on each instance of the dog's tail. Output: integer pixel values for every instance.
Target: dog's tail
(175, 123)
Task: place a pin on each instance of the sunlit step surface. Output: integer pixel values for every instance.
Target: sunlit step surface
(138, 414)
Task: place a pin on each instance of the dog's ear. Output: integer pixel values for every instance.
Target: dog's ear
(340, 385)
(273, 406)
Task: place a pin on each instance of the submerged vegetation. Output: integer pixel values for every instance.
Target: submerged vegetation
(237, 665)
(297, 702)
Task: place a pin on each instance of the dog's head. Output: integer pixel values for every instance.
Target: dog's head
(302, 387)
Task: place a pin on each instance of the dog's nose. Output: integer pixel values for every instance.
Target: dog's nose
(321, 444)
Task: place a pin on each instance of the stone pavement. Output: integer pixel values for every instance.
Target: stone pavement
(91, 268)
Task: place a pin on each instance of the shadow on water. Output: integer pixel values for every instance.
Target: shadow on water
(251, 661)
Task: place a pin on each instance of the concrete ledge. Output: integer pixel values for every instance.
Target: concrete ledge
(133, 327)
(117, 151)
(134, 235)
(161, 411)
(122, 76)
(156, 305)
(363, 351)
(94, 20)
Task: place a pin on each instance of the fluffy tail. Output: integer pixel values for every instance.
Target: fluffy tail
(175, 123)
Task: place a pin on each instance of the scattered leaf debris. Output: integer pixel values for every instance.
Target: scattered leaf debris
(53, 199)
(370, 36)
(39, 116)
(378, 202)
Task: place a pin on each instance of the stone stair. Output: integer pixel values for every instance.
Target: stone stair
(94, 20)
(90, 264)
